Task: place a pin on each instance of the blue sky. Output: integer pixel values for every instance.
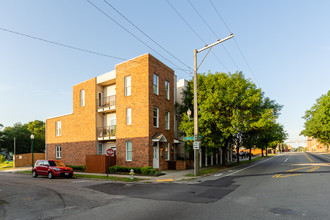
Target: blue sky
(286, 44)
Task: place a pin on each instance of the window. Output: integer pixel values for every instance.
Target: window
(128, 150)
(58, 129)
(58, 151)
(82, 98)
(167, 120)
(128, 116)
(100, 149)
(100, 99)
(156, 112)
(127, 85)
(167, 90)
(155, 84)
(167, 151)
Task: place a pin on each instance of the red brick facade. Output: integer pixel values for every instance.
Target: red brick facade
(73, 153)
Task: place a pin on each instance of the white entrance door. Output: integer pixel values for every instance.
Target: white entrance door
(156, 155)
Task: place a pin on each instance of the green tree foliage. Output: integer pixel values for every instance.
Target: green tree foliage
(22, 134)
(317, 124)
(228, 104)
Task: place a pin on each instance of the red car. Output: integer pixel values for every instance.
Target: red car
(51, 168)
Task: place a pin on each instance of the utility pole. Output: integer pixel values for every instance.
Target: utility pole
(196, 138)
(14, 158)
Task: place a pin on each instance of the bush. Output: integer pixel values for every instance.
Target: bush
(2, 158)
(148, 171)
(78, 168)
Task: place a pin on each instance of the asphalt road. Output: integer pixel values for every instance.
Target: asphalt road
(287, 186)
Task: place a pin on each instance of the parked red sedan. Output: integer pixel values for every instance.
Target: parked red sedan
(51, 168)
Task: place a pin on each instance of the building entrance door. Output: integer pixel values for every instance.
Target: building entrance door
(156, 155)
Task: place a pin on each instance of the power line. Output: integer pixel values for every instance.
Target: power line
(184, 20)
(146, 34)
(131, 33)
(227, 52)
(239, 49)
(60, 44)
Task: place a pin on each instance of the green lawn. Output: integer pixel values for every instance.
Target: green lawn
(6, 165)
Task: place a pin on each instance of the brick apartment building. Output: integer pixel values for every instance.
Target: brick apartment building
(130, 109)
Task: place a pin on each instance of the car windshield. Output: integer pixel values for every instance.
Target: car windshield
(56, 163)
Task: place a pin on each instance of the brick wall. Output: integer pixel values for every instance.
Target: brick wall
(73, 153)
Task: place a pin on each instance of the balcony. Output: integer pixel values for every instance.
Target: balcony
(106, 133)
(106, 104)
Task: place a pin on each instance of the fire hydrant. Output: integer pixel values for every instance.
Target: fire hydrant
(132, 174)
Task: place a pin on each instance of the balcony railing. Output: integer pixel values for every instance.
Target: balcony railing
(106, 133)
(107, 103)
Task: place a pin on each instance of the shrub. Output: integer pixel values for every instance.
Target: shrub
(2, 158)
(148, 171)
(78, 168)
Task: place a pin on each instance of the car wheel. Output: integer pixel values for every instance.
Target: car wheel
(34, 174)
(50, 175)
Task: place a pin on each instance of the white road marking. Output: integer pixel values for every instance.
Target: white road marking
(219, 174)
(249, 167)
(80, 181)
(286, 159)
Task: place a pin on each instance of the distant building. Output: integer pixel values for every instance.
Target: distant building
(313, 145)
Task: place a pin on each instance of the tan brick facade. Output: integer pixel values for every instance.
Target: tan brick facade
(79, 130)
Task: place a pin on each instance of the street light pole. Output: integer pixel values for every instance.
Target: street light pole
(196, 151)
(32, 138)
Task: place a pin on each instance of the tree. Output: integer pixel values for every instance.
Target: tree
(228, 104)
(22, 134)
(317, 124)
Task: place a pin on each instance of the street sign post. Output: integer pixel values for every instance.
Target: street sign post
(110, 152)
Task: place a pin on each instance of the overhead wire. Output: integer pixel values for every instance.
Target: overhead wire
(239, 49)
(191, 28)
(227, 52)
(145, 34)
(60, 44)
(108, 16)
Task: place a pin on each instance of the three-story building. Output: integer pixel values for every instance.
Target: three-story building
(130, 109)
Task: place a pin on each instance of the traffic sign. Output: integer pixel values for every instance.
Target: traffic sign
(188, 138)
(110, 152)
(197, 145)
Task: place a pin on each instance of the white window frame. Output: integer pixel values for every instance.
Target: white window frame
(82, 98)
(155, 86)
(128, 116)
(167, 155)
(58, 128)
(128, 85)
(129, 151)
(58, 151)
(167, 90)
(167, 123)
(100, 149)
(157, 117)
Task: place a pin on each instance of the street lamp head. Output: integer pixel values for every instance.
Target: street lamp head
(32, 136)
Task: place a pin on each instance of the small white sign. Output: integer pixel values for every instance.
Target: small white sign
(197, 145)
(19, 157)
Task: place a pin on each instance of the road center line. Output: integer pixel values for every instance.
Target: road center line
(310, 160)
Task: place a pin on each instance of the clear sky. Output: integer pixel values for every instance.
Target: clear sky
(286, 45)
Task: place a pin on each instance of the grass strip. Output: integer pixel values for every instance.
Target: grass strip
(115, 178)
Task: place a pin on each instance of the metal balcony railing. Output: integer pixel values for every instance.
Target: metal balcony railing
(106, 132)
(107, 102)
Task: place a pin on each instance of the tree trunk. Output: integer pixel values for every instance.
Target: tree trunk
(237, 152)
(266, 152)
(250, 154)
(262, 152)
(223, 155)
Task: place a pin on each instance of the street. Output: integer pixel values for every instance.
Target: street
(288, 185)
